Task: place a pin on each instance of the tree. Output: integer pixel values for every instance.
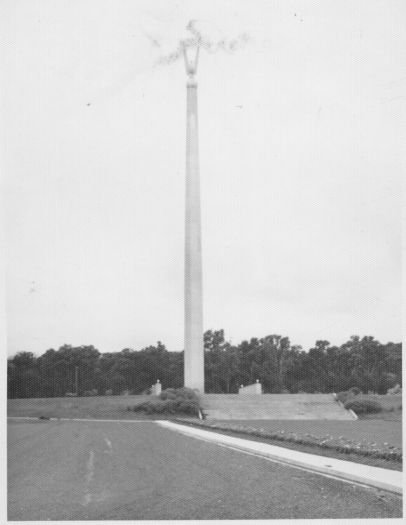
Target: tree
(221, 363)
(24, 379)
(360, 362)
(277, 350)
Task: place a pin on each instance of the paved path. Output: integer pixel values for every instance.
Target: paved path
(74, 470)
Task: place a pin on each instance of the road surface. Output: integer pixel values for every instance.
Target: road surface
(75, 470)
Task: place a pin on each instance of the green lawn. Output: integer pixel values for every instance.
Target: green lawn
(97, 407)
(396, 415)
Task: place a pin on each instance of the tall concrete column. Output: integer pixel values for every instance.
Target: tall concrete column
(194, 352)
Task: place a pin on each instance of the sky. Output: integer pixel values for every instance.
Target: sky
(300, 131)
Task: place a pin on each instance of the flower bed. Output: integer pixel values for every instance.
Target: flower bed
(341, 444)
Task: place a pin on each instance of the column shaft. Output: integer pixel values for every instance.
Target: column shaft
(194, 352)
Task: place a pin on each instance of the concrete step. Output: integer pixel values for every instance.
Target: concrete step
(273, 406)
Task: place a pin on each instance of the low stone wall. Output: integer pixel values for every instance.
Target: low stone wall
(249, 390)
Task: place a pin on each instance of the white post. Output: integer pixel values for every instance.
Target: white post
(194, 353)
(156, 389)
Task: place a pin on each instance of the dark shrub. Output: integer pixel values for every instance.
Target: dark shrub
(159, 407)
(173, 401)
(363, 406)
(344, 396)
(179, 394)
(169, 393)
(397, 389)
(187, 393)
(189, 407)
(355, 391)
(138, 408)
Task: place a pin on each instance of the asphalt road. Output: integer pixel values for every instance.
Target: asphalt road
(138, 471)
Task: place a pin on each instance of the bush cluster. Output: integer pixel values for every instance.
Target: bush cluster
(397, 389)
(343, 397)
(184, 393)
(89, 393)
(169, 406)
(359, 405)
(172, 401)
(363, 406)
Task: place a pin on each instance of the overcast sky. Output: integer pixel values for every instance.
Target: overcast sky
(300, 137)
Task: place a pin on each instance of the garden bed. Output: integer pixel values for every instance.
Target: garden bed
(370, 442)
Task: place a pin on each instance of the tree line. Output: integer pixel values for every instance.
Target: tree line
(280, 367)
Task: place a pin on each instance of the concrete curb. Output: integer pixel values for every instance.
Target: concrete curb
(389, 480)
(354, 415)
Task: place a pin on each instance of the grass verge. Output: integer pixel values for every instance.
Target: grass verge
(384, 455)
(385, 415)
(97, 407)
